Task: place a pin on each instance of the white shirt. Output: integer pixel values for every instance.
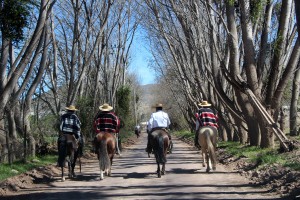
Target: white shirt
(158, 119)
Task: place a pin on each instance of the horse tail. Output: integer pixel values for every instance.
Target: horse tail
(161, 156)
(103, 155)
(210, 147)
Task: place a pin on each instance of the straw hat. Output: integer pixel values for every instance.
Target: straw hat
(71, 108)
(158, 105)
(204, 104)
(105, 107)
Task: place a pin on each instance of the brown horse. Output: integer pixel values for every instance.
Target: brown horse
(105, 146)
(207, 137)
(67, 152)
(159, 141)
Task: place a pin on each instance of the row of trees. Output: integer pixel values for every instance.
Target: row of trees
(216, 50)
(55, 53)
(60, 52)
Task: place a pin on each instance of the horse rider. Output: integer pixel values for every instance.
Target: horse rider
(205, 117)
(107, 121)
(137, 129)
(158, 120)
(70, 124)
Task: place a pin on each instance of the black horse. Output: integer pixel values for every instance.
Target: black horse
(68, 152)
(160, 142)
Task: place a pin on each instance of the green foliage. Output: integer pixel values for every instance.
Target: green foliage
(45, 128)
(267, 157)
(262, 157)
(14, 18)
(293, 165)
(21, 167)
(256, 8)
(86, 115)
(123, 101)
(184, 134)
(277, 44)
(123, 109)
(231, 2)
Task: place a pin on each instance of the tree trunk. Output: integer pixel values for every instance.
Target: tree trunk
(297, 10)
(294, 103)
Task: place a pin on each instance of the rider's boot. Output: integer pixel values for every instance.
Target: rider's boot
(170, 147)
(149, 148)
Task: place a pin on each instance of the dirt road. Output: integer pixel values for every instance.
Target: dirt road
(134, 177)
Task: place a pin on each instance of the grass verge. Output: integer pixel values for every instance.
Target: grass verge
(261, 157)
(19, 167)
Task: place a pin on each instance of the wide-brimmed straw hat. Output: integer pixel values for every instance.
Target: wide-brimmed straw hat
(204, 104)
(158, 105)
(71, 107)
(105, 107)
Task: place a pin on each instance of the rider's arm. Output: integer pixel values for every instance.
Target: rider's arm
(118, 123)
(168, 121)
(95, 126)
(150, 123)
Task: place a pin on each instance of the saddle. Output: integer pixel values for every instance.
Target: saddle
(161, 128)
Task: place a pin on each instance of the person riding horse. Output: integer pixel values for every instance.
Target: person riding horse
(205, 117)
(158, 120)
(70, 124)
(137, 130)
(106, 121)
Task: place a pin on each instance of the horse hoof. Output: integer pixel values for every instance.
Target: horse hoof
(63, 179)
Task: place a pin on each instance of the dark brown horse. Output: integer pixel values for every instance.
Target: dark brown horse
(67, 152)
(207, 137)
(105, 146)
(159, 141)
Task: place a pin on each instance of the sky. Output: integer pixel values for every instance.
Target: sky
(139, 61)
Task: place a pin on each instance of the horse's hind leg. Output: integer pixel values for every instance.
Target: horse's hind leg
(207, 160)
(101, 175)
(109, 169)
(203, 157)
(158, 171)
(70, 169)
(62, 174)
(163, 170)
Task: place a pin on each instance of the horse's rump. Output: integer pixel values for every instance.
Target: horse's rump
(207, 137)
(107, 138)
(105, 144)
(207, 132)
(66, 147)
(160, 143)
